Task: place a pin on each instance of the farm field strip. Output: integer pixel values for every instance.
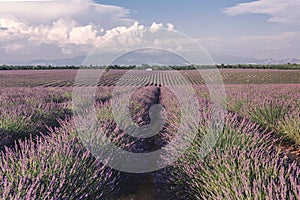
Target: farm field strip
(242, 141)
(44, 146)
(273, 106)
(110, 181)
(276, 107)
(60, 78)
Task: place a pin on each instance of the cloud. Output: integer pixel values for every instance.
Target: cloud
(65, 26)
(170, 26)
(58, 29)
(160, 25)
(63, 32)
(280, 45)
(281, 11)
(82, 11)
(12, 47)
(122, 29)
(274, 37)
(65, 35)
(60, 32)
(155, 25)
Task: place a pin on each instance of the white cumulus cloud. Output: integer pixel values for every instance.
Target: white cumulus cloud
(82, 11)
(282, 11)
(50, 29)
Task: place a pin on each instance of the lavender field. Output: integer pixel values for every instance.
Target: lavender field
(256, 156)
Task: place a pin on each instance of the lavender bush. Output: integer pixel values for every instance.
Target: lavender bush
(276, 107)
(244, 165)
(56, 166)
(25, 112)
(139, 105)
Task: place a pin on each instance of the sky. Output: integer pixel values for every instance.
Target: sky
(68, 28)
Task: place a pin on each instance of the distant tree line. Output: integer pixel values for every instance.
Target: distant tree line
(260, 66)
(36, 67)
(154, 67)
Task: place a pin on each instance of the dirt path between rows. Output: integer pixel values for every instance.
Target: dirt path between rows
(146, 189)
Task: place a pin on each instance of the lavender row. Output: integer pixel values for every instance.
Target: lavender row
(29, 111)
(275, 107)
(244, 164)
(140, 103)
(56, 166)
(59, 165)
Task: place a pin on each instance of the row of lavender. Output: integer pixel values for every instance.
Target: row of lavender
(26, 112)
(244, 164)
(276, 107)
(65, 78)
(31, 111)
(45, 158)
